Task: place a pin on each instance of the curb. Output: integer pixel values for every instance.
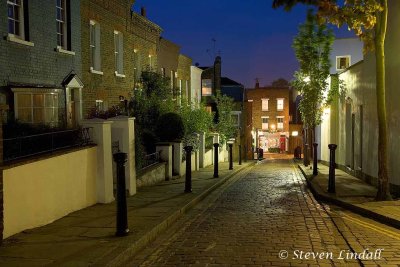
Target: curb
(133, 248)
(356, 209)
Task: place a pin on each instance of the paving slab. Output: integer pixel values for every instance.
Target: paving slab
(352, 193)
(87, 237)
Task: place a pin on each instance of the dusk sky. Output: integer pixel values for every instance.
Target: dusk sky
(254, 40)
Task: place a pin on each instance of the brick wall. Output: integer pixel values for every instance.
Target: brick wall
(184, 64)
(140, 40)
(272, 94)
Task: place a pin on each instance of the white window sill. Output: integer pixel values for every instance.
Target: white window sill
(59, 49)
(95, 71)
(119, 75)
(13, 38)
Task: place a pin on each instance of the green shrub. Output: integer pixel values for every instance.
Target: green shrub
(170, 127)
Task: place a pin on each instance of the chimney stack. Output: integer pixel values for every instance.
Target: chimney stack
(257, 83)
(143, 11)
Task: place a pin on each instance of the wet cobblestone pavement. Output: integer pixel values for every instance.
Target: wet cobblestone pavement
(268, 217)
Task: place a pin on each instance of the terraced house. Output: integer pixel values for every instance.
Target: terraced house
(40, 61)
(117, 45)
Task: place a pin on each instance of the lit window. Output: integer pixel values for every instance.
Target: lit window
(279, 104)
(206, 88)
(264, 104)
(99, 105)
(37, 107)
(61, 19)
(15, 18)
(279, 121)
(163, 72)
(342, 62)
(235, 117)
(264, 123)
(119, 52)
(95, 63)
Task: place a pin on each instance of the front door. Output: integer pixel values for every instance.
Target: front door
(282, 141)
(71, 109)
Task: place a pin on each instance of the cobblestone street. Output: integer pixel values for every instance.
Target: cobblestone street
(266, 216)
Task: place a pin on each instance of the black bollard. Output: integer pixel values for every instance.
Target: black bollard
(245, 153)
(188, 180)
(216, 145)
(122, 212)
(240, 154)
(315, 159)
(306, 155)
(332, 165)
(230, 157)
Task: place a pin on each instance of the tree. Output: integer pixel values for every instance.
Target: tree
(281, 82)
(312, 46)
(223, 122)
(368, 19)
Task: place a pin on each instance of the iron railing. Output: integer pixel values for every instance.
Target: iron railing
(25, 146)
(150, 160)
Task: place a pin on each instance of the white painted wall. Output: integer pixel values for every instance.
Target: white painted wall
(343, 47)
(195, 83)
(361, 90)
(40, 192)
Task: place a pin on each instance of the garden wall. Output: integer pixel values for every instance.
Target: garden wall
(152, 175)
(39, 192)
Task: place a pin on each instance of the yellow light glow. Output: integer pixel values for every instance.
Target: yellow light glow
(295, 133)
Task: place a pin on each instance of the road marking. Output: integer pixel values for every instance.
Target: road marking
(378, 229)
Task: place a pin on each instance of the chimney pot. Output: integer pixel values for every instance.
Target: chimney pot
(143, 11)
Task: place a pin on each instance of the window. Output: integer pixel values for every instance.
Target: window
(279, 104)
(279, 121)
(172, 79)
(95, 62)
(264, 123)
(37, 107)
(62, 21)
(163, 72)
(264, 104)
(235, 119)
(99, 105)
(342, 62)
(151, 62)
(16, 18)
(206, 87)
(119, 53)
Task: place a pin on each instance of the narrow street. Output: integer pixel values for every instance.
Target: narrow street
(266, 216)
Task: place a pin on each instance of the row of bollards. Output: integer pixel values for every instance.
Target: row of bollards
(120, 158)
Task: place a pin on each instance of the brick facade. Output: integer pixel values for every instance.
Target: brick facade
(140, 45)
(184, 64)
(256, 136)
(35, 63)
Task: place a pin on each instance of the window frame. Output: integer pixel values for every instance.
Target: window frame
(64, 24)
(20, 20)
(340, 57)
(208, 88)
(119, 53)
(278, 123)
(55, 107)
(263, 123)
(277, 104)
(94, 44)
(264, 100)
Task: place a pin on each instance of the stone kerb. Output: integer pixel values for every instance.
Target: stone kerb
(123, 131)
(100, 134)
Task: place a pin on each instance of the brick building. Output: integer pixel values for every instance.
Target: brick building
(211, 83)
(40, 62)
(117, 45)
(267, 122)
(175, 67)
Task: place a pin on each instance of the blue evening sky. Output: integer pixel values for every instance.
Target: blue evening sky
(254, 39)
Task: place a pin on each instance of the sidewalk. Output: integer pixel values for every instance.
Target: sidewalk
(87, 237)
(352, 194)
